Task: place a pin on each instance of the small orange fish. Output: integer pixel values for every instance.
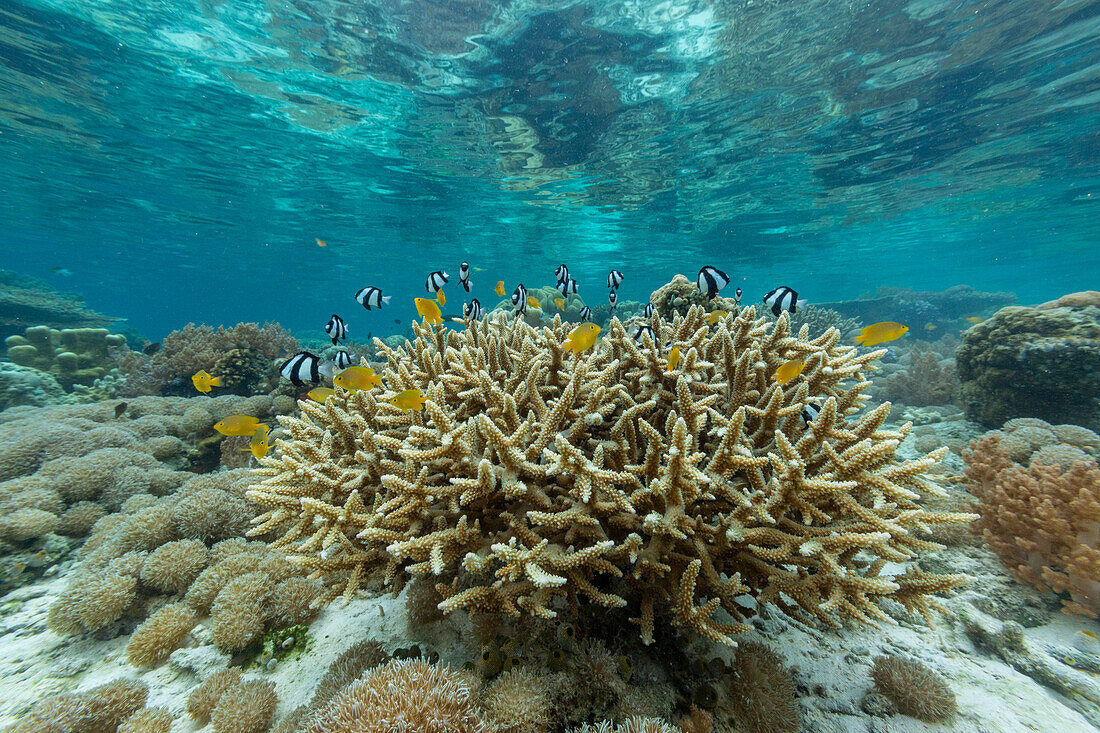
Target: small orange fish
(560, 304)
(238, 425)
(880, 333)
(715, 315)
(533, 302)
(674, 358)
(429, 309)
(203, 381)
(320, 242)
(410, 399)
(356, 378)
(789, 370)
(441, 298)
(500, 288)
(320, 394)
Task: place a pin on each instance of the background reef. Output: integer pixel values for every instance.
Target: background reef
(674, 549)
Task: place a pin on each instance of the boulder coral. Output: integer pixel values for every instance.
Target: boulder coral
(72, 356)
(534, 478)
(1027, 362)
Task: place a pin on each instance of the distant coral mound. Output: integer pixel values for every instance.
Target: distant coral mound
(1032, 362)
(26, 300)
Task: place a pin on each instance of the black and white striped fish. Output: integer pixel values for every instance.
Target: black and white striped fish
(302, 368)
(342, 360)
(472, 311)
(612, 298)
(371, 296)
(464, 275)
(562, 273)
(336, 328)
(648, 310)
(586, 313)
(644, 331)
(435, 282)
(568, 286)
(711, 280)
(737, 296)
(519, 299)
(811, 411)
(614, 279)
(783, 299)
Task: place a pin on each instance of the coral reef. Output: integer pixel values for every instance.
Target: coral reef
(72, 356)
(518, 701)
(1042, 521)
(26, 300)
(20, 385)
(100, 709)
(403, 694)
(1026, 362)
(924, 381)
(917, 308)
(821, 320)
(918, 691)
(533, 475)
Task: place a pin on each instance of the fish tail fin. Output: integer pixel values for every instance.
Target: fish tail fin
(216, 381)
(386, 298)
(801, 303)
(325, 370)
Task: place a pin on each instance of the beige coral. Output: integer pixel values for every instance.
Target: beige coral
(542, 478)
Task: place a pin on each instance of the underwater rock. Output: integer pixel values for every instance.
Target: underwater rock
(1026, 362)
(26, 300)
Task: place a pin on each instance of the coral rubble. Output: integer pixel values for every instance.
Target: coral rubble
(1027, 362)
(534, 479)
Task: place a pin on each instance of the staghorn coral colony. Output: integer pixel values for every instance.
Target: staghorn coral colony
(635, 546)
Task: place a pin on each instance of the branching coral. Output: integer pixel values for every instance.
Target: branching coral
(1042, 521)
(534, 476)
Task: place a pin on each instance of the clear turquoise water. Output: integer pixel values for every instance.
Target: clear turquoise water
(179, 158)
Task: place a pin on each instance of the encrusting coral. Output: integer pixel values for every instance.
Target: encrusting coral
(534, 476)
(1043, 521)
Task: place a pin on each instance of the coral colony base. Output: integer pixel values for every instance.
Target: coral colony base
(638, 542)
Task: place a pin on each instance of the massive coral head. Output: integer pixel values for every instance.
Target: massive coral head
(534, 478)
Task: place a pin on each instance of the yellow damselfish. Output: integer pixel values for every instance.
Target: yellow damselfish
(410, 399)
(203, 381)
(500, 288)
(715, 315)
(789, 370)
(358, 377)
(533, 302)
(430, 310)
(974, 319)
(880, 333)
(237, 425)
(259, 445)
(559, 303)
(441, 298)
(320, 394)
(582, 337)
(930, 327)
(674, 358)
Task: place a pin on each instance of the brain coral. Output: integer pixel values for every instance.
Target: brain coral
(534, 477)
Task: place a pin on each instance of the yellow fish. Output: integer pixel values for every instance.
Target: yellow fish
(582, 337)
(410, 399)
(930, 327)
(533, 302)
(500, 288)
(880, 333)
(203, 381)
(320, 394)
(674, 358)
(789, 370)
(358, 377)
(430, 310)
(715, 316)
(259, 445)
(974, 319)
(237, 425)
(559, 303)
(441, 298)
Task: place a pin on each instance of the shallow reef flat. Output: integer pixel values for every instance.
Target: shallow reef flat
(677, 546)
